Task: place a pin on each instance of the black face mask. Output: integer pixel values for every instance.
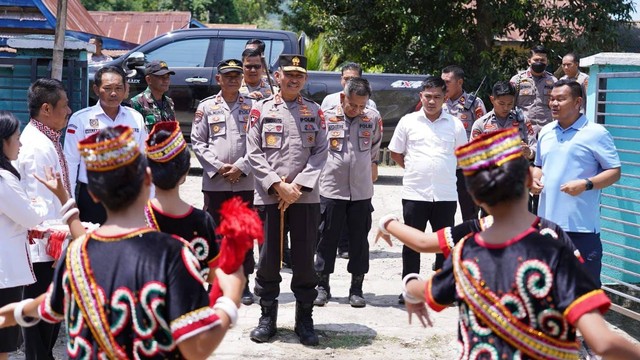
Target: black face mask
(538, 67)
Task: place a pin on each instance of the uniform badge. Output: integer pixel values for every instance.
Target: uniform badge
(334, 119)
(271, 140)
(309, 127)
(215, 129)
(365, 119)
(461, 100)
(254, 115)
(465, 124)
(304, 111)
(549, 82)
(245, 107)
(380, 125)
(198, 117)
(94, 123)
(334, 143)
(279, 128)
(335, 133)
(463, 116)
(366, 133)
(475, 133)
(525, 92)
(245, 127)
(479, 113)
(311, 138)
(215, 107)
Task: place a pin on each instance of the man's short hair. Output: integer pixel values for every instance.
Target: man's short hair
(43, 91)
(259, 43)
(357, 86)
(352, 66)
(457, 71)
(250, 53)
(108, 69)
(432, 82)
(538, 49)
(575, 57)
(502, 88)
(97, 39)
(576, 88)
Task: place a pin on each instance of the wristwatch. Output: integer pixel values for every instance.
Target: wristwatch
(588, 185)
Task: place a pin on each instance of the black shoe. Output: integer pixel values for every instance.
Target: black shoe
(247, 296)
(356, 298)
(304, 324)
(324, 291)
(401, 299)
(266, 328)
(343, 254)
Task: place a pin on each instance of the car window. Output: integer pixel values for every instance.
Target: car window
(174, 53)
(233, 48)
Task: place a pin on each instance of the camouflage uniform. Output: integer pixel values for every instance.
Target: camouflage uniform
(153, 111)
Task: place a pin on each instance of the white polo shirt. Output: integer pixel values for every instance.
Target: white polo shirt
(429, 155)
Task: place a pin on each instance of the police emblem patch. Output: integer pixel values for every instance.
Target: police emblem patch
(215, 129)
(94, 123)
(271, 140)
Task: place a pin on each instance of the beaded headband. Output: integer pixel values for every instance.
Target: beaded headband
(170, 147)
(109, 154)
(489, 151)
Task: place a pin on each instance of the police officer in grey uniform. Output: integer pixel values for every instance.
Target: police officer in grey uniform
(533, 87)
(287, 147)
(346, 187)
(254, 84)
(571, 69)
(218, 138)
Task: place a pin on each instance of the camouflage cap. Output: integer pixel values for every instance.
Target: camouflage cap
(293, 62)
(157, 67)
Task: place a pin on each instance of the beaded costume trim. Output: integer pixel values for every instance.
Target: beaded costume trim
(107, 155)
(489, 150)
(170, 147)
(488, 308)
(86, 294)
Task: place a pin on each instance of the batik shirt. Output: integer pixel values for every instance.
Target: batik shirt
(532, 286)
(151, 290)
(196, 227)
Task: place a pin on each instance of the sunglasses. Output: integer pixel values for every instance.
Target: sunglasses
(253, 67)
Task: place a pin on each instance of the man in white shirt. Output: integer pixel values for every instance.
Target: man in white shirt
(424, 144)
(109, 86)
(41, 148)
(349, 71)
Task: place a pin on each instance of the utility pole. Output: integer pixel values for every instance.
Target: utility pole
(58, 43)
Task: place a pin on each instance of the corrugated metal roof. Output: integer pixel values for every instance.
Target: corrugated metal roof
(139, 27)
(78, 18)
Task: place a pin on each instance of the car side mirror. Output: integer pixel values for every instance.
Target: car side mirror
(134, 60)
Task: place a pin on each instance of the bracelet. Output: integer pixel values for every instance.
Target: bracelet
(405, 294)
(410, 298)
(70, 203)
(17, 314)
(383, 222)
(229, 307)
(69, 214)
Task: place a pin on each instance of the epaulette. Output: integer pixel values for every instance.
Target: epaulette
(83, 110)
(309, 100)
(207, 98)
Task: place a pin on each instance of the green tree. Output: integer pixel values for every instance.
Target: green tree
(423, 36)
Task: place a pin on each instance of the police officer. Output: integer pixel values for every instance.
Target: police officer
(346, 187)
(571, 69)
(533, 87)
(109, 86)
(467, 108)
(287, 147)
(254, 84)
(153, 103)
(218, 137)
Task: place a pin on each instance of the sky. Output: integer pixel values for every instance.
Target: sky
(636, 15)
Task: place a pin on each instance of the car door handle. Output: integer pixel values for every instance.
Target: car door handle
(197, 80)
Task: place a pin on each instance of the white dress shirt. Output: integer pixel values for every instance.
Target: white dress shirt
(91, 120)
(18, 213)
(429, 155)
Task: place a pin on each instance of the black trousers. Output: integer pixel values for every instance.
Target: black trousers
(10, 337)
(468, 208)
(343, 241)
(40, 339)
(90, 211)
(333, 215)
(213, 201)
(416, 214)
(303, 221)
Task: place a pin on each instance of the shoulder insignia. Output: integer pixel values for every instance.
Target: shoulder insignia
(198, 117)
(323, 123)
(254, 116)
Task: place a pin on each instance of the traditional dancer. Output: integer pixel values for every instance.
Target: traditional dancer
(521, 293)
(125, 290)
(169, 161)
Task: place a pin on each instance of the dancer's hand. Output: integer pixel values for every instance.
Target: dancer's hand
(420, 310)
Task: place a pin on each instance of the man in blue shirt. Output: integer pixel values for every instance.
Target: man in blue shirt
(576, 158)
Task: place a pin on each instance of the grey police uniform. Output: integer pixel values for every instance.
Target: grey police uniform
(490, 123)
(346, 187)
(263, 87)
(218, 137)
(456, 107)
(287, 139)
(532, 96)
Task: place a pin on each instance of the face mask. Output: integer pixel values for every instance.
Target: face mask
(538, 67)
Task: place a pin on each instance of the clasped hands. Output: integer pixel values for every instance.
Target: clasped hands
(230, 172)
(287, 193)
